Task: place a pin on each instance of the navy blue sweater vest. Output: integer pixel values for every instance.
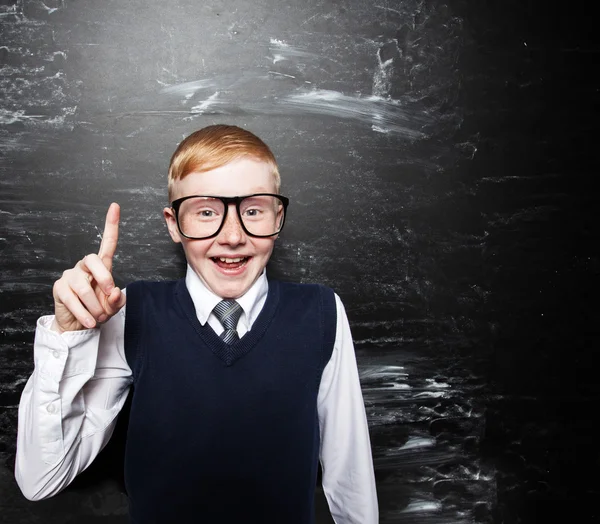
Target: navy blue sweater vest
(225, 434)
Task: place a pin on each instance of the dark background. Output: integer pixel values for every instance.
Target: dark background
(440, 159)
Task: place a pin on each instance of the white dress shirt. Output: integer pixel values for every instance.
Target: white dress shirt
(81, 379)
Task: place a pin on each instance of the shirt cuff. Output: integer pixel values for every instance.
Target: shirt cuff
(57, 355)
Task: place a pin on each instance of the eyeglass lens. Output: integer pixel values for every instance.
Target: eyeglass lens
(261, 215)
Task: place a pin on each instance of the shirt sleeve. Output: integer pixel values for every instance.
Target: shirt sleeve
(70, 403)
(345, 453)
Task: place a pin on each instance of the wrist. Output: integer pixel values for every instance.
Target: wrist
(55, 326)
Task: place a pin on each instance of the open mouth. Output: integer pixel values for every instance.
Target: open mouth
(230, 263)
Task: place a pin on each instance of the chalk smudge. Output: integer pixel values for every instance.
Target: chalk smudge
(375, 110)
(189, 89)
(281, 50)
(383, 114)
(205, 104)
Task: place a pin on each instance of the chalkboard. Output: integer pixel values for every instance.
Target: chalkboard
(439, 158)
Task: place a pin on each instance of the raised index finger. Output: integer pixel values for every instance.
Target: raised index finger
(110, 236)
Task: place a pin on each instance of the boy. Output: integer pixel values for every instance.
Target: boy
(240, 384)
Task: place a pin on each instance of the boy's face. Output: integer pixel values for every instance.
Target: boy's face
(247, 255)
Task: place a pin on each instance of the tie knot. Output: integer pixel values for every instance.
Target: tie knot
(228, 312)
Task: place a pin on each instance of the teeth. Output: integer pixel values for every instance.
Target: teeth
(231, 260)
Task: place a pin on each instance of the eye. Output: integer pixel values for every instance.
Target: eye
(255, 212)
(201, 213)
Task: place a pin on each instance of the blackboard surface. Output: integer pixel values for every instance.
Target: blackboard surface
(440, 159)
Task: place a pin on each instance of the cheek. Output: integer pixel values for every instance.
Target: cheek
(195, 249)
(265, 247)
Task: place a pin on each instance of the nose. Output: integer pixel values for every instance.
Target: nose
(232, 232)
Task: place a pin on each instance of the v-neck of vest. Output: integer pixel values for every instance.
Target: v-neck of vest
(229, 353)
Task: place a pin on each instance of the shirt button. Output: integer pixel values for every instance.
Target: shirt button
(51, 409)
(55, 354)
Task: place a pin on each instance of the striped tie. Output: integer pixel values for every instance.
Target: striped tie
(228, 312)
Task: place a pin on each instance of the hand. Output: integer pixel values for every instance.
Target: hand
(86, 295)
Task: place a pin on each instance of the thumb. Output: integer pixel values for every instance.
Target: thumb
(116, 300)
(122, 300)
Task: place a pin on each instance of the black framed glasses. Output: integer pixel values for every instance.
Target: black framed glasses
(202, 216)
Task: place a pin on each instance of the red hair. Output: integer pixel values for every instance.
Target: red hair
(214, 146)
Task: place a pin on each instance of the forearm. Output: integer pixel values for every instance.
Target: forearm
(348, 475)
(68, 407)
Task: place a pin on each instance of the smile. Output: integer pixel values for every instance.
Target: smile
(231, 260)
(230, 263)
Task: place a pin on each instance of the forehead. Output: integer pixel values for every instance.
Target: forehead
(240, 177)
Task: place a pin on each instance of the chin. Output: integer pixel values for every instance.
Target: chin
(230, 289)
(231, 293)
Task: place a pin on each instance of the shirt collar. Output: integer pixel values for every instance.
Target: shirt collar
(205, 300)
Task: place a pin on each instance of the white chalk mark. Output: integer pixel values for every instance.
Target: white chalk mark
(383, 114)
(431, 394)
(437, 385)
(53, 56)
(188, 89)
(280, 43)
(310, 19)
(280, 74)
(49, 9)
(382, 78)
(418, 443)
(422, 506)
(10, 117)
(15, 9)
(281, 50)
(380, 129)
(388, 9)
(388, 387)
(382, 371)
(205, 104)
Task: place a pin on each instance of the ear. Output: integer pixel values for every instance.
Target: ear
(171, 221)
